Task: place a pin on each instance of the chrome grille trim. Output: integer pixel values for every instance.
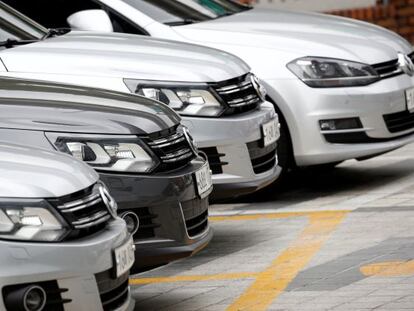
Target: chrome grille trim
(234, 88)
(82, 206)
(388, 69)
(81, 202)
(177, 156)
(165, 142)
(248, 100)
(91, 220)
(239, 94)
(85, 212)
(174, 149)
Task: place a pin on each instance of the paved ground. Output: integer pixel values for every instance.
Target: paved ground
(333, 240)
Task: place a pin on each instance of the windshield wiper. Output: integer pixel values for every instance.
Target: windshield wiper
(186, 21)
(9, 43)
(55, 32)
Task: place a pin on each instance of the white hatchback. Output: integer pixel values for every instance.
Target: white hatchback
(343, 89)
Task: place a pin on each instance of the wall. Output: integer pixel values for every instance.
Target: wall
(314, 5)
(396, 15)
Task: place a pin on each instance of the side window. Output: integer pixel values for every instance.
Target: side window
(51, 13)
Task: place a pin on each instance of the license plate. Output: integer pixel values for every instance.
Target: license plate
(203, 180)
(270, 132)
(409, 97)
(124, 257)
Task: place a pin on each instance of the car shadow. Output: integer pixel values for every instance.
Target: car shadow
(310, 183)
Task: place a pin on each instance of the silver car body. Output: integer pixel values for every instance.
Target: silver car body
(267, 40)
(29, 173)
(104, 60)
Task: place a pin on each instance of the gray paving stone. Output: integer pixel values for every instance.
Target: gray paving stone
(381, 193)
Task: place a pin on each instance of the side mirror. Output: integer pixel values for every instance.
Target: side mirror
(90, 20)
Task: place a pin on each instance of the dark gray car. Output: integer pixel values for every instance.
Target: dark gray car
(138, 146)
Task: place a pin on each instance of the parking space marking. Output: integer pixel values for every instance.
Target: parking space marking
(274, 280)
(389, 269)
(195, 278)
(251, 217)
(270, 283)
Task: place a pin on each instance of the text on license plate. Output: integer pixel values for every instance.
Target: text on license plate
(409, 97)
(203, 179)
(270, 132)
(124, 257)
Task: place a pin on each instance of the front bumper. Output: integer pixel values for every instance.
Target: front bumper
(82, 267)
(173, 218)
(305, 107)
(238, 162)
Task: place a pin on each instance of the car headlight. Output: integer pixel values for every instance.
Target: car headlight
(328, 72)
(30, 220)
(187, 100)
(107, 153)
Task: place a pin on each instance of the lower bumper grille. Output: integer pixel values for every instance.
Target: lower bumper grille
(147, 223)
(114, 293)
(400, 121)
(195, 216)
(54, 300)
(263, 158)
(214, 160)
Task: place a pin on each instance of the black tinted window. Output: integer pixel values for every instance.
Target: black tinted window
(14, 25)
(175, 11)
(51, 13)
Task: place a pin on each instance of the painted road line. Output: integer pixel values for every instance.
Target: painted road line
(389, 269)
(269, 284)
(274, 280)
(194, 278)
(251, 217)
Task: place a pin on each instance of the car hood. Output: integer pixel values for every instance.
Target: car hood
(36, 173)
(41, 106)
(300, 34)
(124, 56)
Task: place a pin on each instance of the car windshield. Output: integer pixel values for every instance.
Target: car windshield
(179, 12)
(16, 26)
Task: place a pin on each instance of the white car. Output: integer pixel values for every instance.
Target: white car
(343, 89)
(222, 103)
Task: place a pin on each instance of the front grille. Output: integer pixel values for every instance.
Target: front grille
(173, 150)
(400, 121)
(114, 293)
(390, 68)
(195, 216)
(84, 211)
(147, 223)
(239, 94)
(263, 158)
(214, 160)
(54, 300)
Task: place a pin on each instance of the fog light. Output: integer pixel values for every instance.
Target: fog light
(132, 222)
(340, 124)
(29, 298)
(35, 299)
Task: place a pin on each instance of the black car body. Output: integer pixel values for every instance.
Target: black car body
(173, 214)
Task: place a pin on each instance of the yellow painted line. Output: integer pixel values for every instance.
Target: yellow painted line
(273, 216)
(194, 278)
(389, 269)
(273, 281)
